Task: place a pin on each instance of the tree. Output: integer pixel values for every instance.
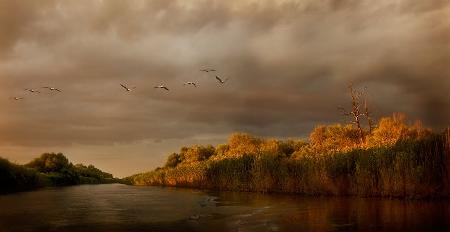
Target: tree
(243, 144)
(50, 162)
(358, 100)
(270, 146)
(198, 153)
(173, 160)
(91, 171)
(290, 146)
(395, 128)
(221, 150)
(334, 138)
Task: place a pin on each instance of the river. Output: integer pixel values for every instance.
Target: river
(118, 207)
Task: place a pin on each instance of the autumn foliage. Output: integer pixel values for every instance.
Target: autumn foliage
(395, 159)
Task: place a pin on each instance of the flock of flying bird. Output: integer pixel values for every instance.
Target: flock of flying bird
(128, 89)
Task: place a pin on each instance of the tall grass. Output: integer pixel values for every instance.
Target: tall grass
(408, 168)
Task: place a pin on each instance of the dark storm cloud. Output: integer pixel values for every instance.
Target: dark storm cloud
(289, 63)
(15, 17)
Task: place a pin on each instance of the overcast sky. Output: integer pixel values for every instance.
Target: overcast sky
(288, 64)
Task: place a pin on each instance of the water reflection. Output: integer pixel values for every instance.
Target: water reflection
(128, 208)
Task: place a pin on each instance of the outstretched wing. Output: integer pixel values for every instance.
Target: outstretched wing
(220, 80)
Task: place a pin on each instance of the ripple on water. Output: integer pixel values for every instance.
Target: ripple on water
(129, 208)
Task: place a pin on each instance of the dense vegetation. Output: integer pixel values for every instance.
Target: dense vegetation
(394, 159)
(49, 169)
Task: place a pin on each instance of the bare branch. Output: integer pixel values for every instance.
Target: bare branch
(359, 108)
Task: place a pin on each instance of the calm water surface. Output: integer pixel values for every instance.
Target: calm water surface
(128, 208)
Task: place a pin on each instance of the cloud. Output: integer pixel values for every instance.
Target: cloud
(15, 18)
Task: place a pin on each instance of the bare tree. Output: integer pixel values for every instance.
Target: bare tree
(356, 112)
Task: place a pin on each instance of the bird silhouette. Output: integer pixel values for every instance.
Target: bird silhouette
(161, 87)
(52, 88)
(126, 88)
(207, 70)
(32, 91)
(17, 98)
(190, 83)
(220, 80)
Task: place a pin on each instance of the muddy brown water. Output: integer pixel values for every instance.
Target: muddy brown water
(118, 207)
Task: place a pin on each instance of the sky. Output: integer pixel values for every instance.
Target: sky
(289, 63)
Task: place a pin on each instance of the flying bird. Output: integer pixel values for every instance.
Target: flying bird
(207, 70)
(32, 91)
(16, 98)
(220, 80)
(126, 88)
(52, 89)
(161, 87)
(190, 83)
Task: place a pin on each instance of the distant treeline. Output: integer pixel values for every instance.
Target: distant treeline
(394, 159)
(49, 169)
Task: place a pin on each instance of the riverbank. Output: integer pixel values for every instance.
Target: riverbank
(412, 167)
(49, 170)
